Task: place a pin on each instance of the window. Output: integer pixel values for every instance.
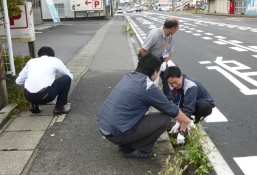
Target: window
(60, 9)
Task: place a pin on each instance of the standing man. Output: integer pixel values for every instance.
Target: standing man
(38, 78)
(122, 118)
(190, 96)
(160, 43)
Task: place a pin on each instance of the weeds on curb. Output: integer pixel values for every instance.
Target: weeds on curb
(129, 29)
(192, 153)
(15, 92)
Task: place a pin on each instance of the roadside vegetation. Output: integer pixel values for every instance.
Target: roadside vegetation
(15, 92)
(189, 158)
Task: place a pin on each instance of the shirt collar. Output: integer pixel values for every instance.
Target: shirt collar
(163, 34)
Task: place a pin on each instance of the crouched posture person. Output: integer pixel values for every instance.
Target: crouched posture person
(190, 95)
(38, 78)
(122, 118)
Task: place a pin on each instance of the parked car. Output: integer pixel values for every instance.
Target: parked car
(129, 10)
(138, 9)
(119, 10)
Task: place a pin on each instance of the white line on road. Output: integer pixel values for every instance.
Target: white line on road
(219, 164)
(247, 164)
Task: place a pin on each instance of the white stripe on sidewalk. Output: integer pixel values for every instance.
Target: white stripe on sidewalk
(247, 164)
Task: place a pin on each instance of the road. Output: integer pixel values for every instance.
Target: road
(221, 52)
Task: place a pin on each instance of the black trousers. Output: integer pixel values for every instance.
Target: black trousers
(60, 88)
(145, 132)
(202, 109)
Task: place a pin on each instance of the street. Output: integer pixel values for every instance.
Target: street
(221, 52)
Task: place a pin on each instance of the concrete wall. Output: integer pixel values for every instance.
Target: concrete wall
(218, 6)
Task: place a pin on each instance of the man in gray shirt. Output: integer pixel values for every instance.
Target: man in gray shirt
(160, 43)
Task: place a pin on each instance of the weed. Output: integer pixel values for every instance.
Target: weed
(129, 29)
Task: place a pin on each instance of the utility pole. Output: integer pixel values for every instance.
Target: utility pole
(173, 5)
(3, 88)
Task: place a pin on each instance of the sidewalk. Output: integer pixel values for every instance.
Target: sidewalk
(20, 137)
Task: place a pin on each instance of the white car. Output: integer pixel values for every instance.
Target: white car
(119, 10)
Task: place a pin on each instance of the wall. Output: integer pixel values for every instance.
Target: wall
(218, 6)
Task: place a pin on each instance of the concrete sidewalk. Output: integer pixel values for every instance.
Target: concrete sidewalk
(19, 138)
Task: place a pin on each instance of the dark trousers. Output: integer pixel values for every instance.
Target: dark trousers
(145, 132)
(202, 109)
(165, 86)
(60, 88)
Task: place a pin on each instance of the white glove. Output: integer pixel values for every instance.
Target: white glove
(163, 66)
(170, 63)
(191, 126)
(180, 139)
(175, 128)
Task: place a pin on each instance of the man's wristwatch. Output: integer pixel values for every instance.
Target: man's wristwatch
(183, 133)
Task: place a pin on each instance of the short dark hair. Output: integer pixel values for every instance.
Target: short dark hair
(172, 72)
(170, 23)
(148, 64)
(48, 51)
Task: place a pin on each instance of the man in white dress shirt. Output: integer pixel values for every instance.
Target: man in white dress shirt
(41, 87)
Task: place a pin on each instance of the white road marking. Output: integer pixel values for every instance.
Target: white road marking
(215, 116)
(182, 29)
(198, 30)
(235, 41)
(239, 49)
(220, 37)
(207, 38)
(246, 48)
(188, 31)
(247, 164)
(219, 42)
(205, 62)
(208, 34)
(38, 32)
(219, 164)
(253, 47)
(254, 56)
(197, 34)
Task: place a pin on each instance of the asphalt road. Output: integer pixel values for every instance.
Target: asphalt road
(66, 40)
(221, 52)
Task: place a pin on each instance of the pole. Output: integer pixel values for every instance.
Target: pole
(173, 5)
(8, 35)
(32, 49)
(3, 88)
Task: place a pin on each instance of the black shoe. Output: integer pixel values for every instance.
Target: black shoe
(34, 108)
(139, 154)
(64, 110)
(122, 147)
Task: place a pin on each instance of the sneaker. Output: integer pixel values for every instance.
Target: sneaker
(64, 110)
(122, 147)
(34, 109)
(140, 154)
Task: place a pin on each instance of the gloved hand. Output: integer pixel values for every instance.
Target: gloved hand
(180, 139)
(163, 66)
(190, 126)
(175, 128)
(170, 63)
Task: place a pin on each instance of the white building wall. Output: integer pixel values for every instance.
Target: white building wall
(218, 6)
(64, 10)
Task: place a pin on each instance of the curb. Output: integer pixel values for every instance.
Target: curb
(5, 114)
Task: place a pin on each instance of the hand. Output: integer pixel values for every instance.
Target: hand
(180, 139)
(170, 63)
(163, 66)
(191, 126)
(175, 128)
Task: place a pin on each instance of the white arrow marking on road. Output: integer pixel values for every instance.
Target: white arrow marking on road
(215, 116)
(247, 164)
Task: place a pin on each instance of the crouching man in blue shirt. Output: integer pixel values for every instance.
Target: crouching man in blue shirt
(190, 95)
(122, 118)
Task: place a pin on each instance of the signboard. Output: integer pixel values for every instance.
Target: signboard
(251, 7)
(53, 12)
(21, 26)
(82, 5)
